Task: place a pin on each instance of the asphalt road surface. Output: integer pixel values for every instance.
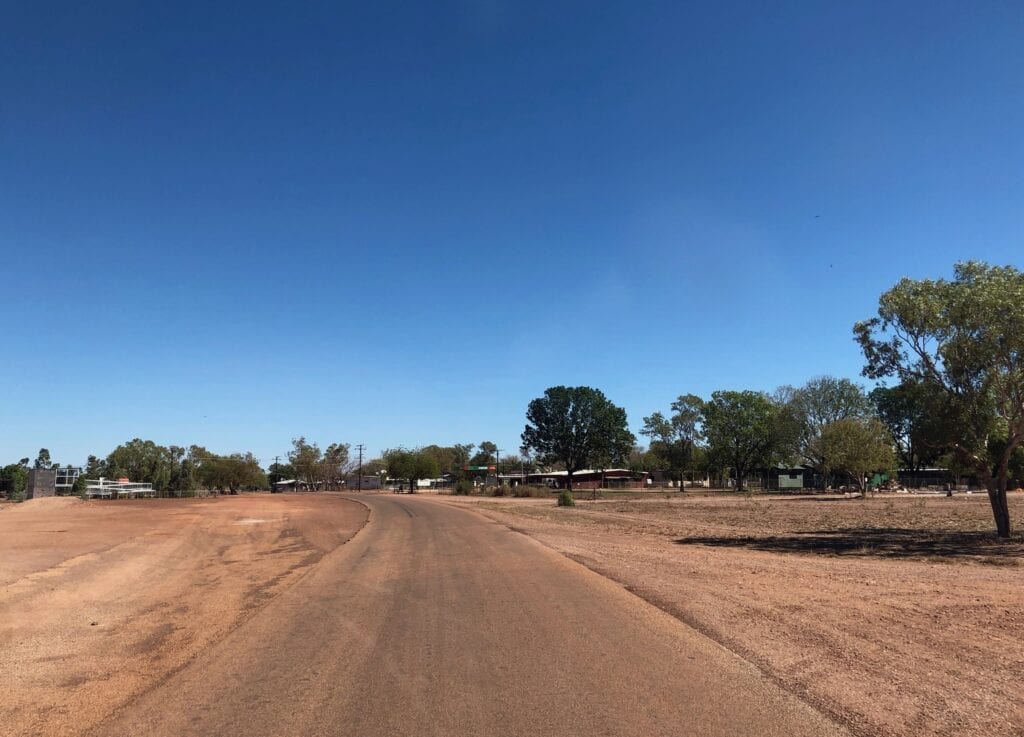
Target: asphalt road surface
(436, 621)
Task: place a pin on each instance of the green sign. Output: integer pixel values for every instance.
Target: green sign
(479, 468)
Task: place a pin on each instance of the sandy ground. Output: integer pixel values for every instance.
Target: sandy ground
(435, 621)
(896, 615)
(101, 601)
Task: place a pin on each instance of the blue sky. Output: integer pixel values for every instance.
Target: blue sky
(234, 223)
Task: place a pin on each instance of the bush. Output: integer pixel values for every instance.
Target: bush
(463, 487)
(565, 499)
(498, 490)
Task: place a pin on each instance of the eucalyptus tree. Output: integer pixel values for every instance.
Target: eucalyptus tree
(857, 446)
(961, 341)
(674, 438)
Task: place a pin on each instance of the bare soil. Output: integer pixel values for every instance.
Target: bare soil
(897, 615)
(102, 600)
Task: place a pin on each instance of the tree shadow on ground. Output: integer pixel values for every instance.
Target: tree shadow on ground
(885, 542)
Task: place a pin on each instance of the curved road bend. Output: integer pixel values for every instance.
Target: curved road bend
(436, 621)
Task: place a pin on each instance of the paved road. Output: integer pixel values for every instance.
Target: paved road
(436, 621)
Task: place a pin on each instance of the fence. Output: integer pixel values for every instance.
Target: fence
(106, 489)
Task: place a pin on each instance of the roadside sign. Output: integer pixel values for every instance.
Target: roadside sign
(479, 468)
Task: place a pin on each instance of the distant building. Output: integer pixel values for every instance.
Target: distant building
(609, 478)
(42, 482)
(368, 482)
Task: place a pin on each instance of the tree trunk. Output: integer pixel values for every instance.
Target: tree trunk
(1000, 508)
(997, 491)
(568, 480)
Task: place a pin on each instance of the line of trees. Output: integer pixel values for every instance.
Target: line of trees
(172, 470)
(14, 476)
(829, 424)
(313, 467)
(953, 349)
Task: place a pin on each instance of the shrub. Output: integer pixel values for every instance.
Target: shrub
(565, 499)
(463, 487)
(498, 490)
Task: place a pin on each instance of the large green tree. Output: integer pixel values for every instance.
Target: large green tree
(142, 461)
(962, 341)
(745, 430)
(857, 446)
(578, 427)
(411, 465)
(674, 438)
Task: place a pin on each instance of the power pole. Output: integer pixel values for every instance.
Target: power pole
(359, 484)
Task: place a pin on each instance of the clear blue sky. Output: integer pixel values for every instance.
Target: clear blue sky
(235, 223)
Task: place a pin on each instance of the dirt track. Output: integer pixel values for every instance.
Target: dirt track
(431, 621)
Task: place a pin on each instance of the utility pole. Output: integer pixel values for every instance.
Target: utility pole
(360, 482)
(497, 465)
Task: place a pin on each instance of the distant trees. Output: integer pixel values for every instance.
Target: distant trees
(175, 471)
(43, 460)
(674, 438)
(336, 465)
(577, 427)
(486, 454)
(14, 479)
(960, 343)
(744, 431)
(450, 458)
(319, 469)
(857, 446)
(411, 465)
(815, 406)
(227, 473)
(305, 458)
(903, 409)
(143, 461)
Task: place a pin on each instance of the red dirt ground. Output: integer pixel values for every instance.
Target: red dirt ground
(100, 600)
(897, 615)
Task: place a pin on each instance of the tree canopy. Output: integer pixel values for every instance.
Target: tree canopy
(674, 438)
(813, 407)
(743, 430)
(411, 465)
(578, 427)
(857, 446)
(962, 342)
